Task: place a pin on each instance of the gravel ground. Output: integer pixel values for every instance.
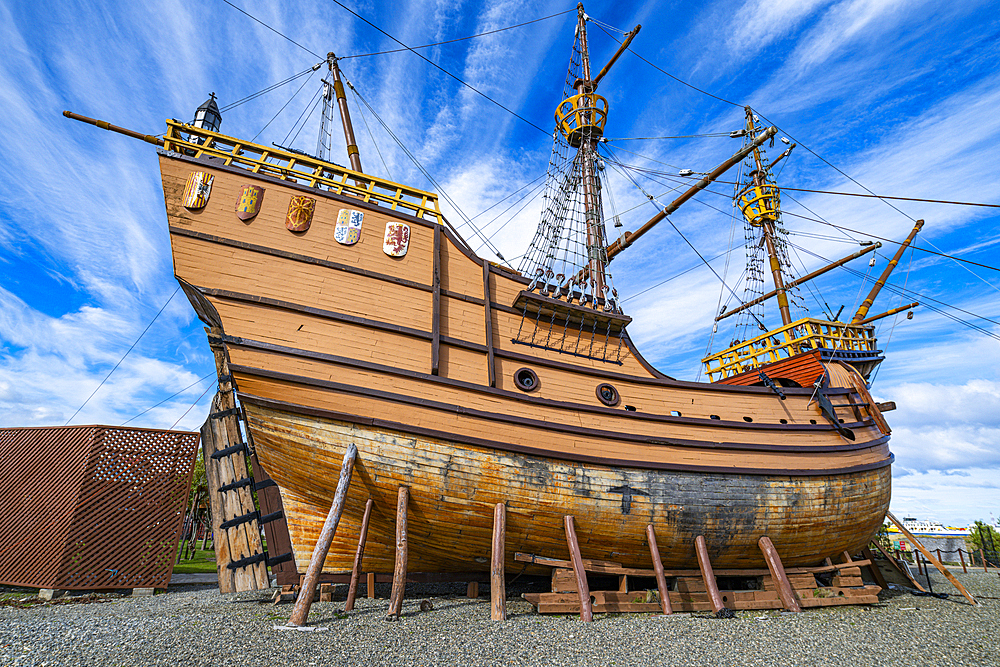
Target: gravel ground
(195, 625)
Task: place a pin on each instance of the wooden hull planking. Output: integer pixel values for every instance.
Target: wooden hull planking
(413, 358)
(454, 487)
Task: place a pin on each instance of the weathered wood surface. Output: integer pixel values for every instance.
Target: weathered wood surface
(934, 561)
(326, 535)
(241, 541)
(661, 581)
(454, 489)
(498, 582)
(402, 552)
(586, 612)
(355, 334)
(707, 575)
(352, 590)
(785, 591)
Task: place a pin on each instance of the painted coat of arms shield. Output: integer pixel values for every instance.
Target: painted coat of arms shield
(348, 229)
(397, 239)
(197, 190)
(248, 205)
(300, 213)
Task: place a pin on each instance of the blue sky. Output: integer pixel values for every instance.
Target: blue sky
(904, 97)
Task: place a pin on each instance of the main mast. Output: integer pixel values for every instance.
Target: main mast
(597, 256)
(760, 205)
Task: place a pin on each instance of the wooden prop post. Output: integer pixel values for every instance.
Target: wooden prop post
(302, 605)
(701, 549)
(785, 592)
(399, 572)
(586, 609)
(895, 562)
(661, 580)
(352, 590)
(982, 558)
(498, 585)
(301, 610)
(873, 568)
(962, 559)
(927, 554)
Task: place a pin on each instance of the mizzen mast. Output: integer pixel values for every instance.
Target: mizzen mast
(759, 202)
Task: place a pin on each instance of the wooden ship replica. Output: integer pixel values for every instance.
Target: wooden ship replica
(347, 313)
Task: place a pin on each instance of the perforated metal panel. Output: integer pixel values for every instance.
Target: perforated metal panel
(92, 507)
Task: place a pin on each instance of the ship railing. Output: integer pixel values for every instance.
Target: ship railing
(800, 336)
(300, 168)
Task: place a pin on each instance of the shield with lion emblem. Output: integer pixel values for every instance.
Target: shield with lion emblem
(397, 239)
(348, 229)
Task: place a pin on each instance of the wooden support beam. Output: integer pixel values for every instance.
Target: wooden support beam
(785, 592)
(301, 611)
(399, 572)
(472, 590)
(900, 568)
(982, 557)
(586, 609)
(873, 568)
(661, 580)
(491, 376)
(498, 583)
(352, 591)
(945, 571)
(705, 564)
(370, 585)
(436, 304)
(962, 559)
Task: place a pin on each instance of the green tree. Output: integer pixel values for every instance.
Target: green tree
(978, 532)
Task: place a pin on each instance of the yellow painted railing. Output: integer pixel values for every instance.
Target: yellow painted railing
(300, 168)
(799, 336)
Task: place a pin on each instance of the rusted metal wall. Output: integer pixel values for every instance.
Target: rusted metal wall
(92, 507)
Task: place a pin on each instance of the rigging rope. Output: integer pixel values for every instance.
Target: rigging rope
(196, 382)
(427, 175)
(460, 39)
(131, 347)
(281, 109)
(266, 90)
(307, 50)
(431, 62)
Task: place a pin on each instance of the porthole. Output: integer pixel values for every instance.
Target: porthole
(783, 421)
(748, 419)
(714, 417)
(608, 395)
(526, 379)
(630, 408)
(675, 413)
(812, 421)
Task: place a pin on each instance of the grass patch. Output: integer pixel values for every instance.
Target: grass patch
(203, 561)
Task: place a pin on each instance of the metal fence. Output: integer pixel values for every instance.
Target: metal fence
(92, 507)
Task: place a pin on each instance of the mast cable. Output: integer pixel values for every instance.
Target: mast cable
(196, 401)
(924, 298)
(428, 176)
(459, 39)
(294, 95)
(132, 347)
(310, 107)
(273, 30)
(196, 382)
(372, 136)
(264, 91)
(422, 57)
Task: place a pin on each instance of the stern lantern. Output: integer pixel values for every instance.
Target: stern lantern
(208, 117)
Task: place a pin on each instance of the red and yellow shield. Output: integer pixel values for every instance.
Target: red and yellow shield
(197, 189)
(397, 239)
(248, 205)
(300, 213)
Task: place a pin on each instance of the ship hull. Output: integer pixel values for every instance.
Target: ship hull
(415, 358)
(454, 486)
